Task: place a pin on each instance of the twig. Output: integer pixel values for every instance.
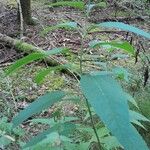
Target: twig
(21, 19)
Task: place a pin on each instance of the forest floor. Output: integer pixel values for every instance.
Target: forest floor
(20, 88)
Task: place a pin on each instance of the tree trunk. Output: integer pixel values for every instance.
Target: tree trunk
(26, 11)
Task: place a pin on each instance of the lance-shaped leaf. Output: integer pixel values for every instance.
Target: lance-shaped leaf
(43, 73)
(131, 100)
(138, 123)
(63, 128)
(66, 25)
(137, 116)
(125, 27)
(23, 61)
(34, 56)
(125, 46)
(110, 103)
(37, 106)
(57, 50)
(75, 4)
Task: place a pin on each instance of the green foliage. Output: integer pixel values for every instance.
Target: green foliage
(75, 4)
(127, 47)
(37, 106)
(24, 61)
(63, 128)
(111, 108)
(91, 6)
(32, 57)
(100, 89)
(66, 25)
(125, 27)
(7, 134)
(43, 73)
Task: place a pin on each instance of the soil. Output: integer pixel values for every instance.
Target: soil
(44, 17)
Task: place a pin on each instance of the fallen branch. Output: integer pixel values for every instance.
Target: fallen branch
(21, 46)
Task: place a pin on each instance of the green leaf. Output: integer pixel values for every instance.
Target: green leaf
(43, 73)
(131, 100)
(110, 103)
(91, 6)
(66, 25)
(136, 116)
(52, 122)
(63, 129)
(121, 73)
(34, 56)
(103, 132)
(75, 4)
(23, 61)
(4, 141)
(37, 106)
(110, 142)
(136, 122)
(56, 51)
(78, 146)
(125, 27)
(127, 47)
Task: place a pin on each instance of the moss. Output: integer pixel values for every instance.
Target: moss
(23, 46)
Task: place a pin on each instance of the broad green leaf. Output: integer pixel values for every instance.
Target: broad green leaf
(37, 106)
(63, 129)
(66, 25)
(75, 4)
(125, 27)
(110, 103)
(50, 142)
(23, 61)
(127, 47)
(52, 122)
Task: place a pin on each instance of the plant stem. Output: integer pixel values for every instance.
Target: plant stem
(88, 106)
(93, 126)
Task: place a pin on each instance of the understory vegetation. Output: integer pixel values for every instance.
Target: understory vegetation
(76, 77)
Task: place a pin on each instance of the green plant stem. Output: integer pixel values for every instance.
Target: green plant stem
(88, 106)
(93, 126)
(81, 56)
